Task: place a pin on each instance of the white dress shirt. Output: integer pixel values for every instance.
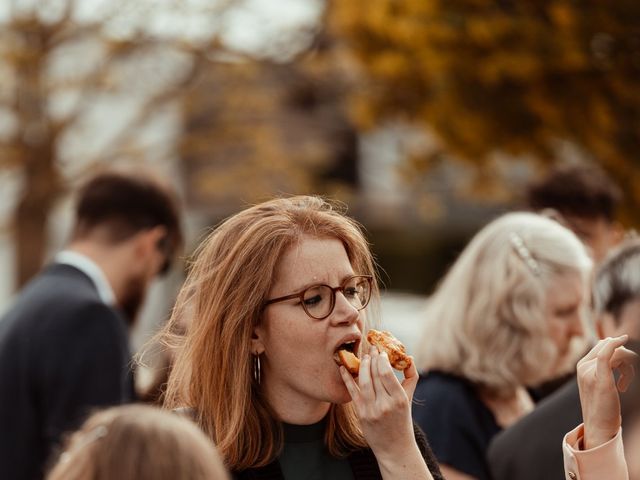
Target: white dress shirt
(91, 270)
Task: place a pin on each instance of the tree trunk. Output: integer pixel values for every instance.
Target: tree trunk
(37, 153)
(41, 189)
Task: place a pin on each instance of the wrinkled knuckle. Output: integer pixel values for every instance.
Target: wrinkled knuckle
(400, 405)
(369, 415)
(385, 411)
(388, 373)
(364, 417)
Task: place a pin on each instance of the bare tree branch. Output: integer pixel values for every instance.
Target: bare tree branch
(68, 30)
(153, 104)
(68, 11)
(122, 50)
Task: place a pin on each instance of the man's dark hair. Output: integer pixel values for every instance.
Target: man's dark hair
(617, 280)
(124, 205)
(579, 190)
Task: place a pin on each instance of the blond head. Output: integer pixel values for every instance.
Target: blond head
(486, 321)
(138, 442)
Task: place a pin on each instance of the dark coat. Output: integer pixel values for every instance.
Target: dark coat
(63, 353)
(531, 449)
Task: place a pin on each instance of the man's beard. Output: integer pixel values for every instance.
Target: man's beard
(133, 298)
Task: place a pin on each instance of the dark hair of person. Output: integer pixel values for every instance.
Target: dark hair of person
(125, 204)
(580, 190)
(617, 280)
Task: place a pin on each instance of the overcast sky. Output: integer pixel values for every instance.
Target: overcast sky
(270, 27)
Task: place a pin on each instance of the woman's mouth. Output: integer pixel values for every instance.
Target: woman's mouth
(351, 346)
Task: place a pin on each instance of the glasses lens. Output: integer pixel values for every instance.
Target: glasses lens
(318, 301)
(357, 290)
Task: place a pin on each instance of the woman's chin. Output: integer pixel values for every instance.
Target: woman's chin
(335, 391)
(340, 395)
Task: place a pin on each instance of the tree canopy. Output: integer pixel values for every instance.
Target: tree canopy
(519, 77)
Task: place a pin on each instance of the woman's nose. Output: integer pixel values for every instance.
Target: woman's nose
(577, 326)
(343, 312)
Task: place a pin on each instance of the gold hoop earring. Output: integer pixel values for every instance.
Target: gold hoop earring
(257, 368)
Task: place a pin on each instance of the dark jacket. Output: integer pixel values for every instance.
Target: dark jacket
(363, 464)
(63, 353)
(531, 449)
(458, 424)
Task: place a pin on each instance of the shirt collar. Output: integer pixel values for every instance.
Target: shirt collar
(304, 433)
(91, 270)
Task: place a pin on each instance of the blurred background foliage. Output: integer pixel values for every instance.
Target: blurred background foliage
(540, 78)
(425, 117)
(259, 128)
(82, 82)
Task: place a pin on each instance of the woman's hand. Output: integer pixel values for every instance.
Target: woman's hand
(598, 390)
(383, 405)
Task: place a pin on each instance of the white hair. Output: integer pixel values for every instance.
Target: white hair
(486, 322)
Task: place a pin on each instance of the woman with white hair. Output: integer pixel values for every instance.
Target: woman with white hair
(508, 315)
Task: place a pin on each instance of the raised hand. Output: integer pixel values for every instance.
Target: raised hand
(383, 405)
(598, 389)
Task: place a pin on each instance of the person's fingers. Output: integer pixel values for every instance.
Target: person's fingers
(620, 340)
(627, 372)
(593, 353)
(376, 360)
(350, 383)
(411, 377)
(624, 360)
(364, 378)
(603, 360)
(623, 355)
(387, 377)
(411, 371)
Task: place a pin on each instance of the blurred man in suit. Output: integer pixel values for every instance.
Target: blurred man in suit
(64, 347)
(531, 448)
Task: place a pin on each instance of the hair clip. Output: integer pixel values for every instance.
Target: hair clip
(99, 432)
(524, 253)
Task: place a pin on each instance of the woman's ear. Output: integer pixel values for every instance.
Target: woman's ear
(257, 340)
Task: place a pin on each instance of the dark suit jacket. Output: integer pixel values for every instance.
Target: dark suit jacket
(63, 353)
(531, 449)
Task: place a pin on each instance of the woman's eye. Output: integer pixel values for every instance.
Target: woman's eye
(313, 300)
(350, 292)
(566, 312)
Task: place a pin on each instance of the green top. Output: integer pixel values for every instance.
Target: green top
(305, 456)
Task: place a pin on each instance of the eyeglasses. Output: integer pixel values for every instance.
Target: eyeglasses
(319, 300)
